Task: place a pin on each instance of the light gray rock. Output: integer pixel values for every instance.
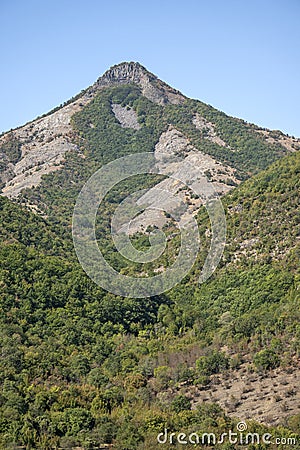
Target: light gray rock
(126, 116)
(204, 125)
(44, 143)
(132, 72)
(175, 156)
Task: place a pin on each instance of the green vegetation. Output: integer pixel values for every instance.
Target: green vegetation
(82, 367)
(247, 153)
(101, 139)
(10, 153)
(11, 148)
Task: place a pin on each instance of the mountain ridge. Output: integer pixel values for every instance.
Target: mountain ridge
(133, 72)
(40, 147)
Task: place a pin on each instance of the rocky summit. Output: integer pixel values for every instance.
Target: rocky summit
(30, 152)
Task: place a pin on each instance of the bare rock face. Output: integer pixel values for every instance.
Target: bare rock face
(132, 72)
(177, 159)
(173, 144)
(126, 116)
(43, 143)
(205, 126)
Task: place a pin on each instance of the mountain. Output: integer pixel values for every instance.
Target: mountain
(82, 367)
(132, 109)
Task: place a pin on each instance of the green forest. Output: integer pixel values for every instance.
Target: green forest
(81, 367)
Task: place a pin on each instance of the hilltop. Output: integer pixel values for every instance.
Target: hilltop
(132, 109)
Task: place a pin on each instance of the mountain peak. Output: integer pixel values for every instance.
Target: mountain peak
(134, 73)
(127, 71)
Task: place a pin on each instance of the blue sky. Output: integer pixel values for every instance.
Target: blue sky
(241, 56)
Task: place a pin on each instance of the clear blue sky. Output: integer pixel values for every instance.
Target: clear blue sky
(241, 56)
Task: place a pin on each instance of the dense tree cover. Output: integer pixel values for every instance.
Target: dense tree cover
(80, 366)
(20, 225)
(264, 212)
(10, 153)
(11, 148)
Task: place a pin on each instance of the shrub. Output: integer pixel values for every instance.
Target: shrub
(180, 403)
(211, 364)
(266, 360)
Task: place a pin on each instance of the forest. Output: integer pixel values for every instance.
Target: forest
(81, 367)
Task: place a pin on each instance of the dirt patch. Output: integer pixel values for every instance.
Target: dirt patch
(292, 144)
(269, 398)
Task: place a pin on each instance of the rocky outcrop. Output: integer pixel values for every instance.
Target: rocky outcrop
(44, 143)
(208, 130)
(126, 116)
(176, 157)
(173, 144)
(132, 72)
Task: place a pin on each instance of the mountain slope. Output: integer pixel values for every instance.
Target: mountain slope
(83, 130)
(82, 367)
(79, 365)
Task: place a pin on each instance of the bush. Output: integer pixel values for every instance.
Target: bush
(266, 360)
(211, 364)
(180, 403)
